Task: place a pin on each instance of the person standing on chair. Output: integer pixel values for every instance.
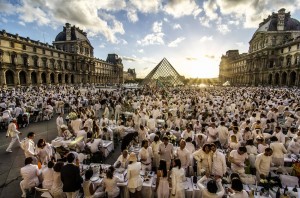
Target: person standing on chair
(13, 133)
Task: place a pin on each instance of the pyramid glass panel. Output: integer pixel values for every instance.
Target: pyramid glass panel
(163, 74)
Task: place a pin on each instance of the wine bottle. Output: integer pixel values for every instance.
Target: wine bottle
(285, 191)
(278, 193)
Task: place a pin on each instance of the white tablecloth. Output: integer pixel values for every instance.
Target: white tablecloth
(107, 147)
(59, 141)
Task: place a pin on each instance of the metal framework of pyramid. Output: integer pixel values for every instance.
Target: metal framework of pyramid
(163, 74)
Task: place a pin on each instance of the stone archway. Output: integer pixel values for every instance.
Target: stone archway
(276, 79)
(9, 77)
(22, 78)
(72, 79)
(59, 78)
(293, 78)
(270, 78)
(284, 79)
(66, 78)
(33, 78)
(44, 79)
(52, 78)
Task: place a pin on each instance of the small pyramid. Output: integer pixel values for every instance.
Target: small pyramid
(163, 74)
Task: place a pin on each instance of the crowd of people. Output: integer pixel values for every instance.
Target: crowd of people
(179, 132)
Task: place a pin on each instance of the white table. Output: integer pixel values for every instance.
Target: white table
(59, 141)
(107, 147)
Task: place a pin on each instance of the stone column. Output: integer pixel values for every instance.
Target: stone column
(55, 78)
(2, 78)
(39, 77)
(28, 78)
(16, 78)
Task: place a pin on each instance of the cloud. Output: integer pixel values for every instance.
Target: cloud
(206, 38)
(145, 68)
(90, 16)
(177, 26)
(141, 51)
(3, 20)
(248, 13)
(223, 29)
(152, 39)
(123, 41)
(22, 23)
(176, 42)
(157, 27)
(148, 6)
(166, 19)
(102, 46)
(155, 38)
(132, 15)
(191, 58)
(141, 60)
(204, 21)
(241, 44)
(179, 8)
(209, 56)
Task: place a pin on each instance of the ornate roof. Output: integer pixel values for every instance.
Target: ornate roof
(76, 34)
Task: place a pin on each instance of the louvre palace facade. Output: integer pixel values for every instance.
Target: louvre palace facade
(273, 58)
(70, 60)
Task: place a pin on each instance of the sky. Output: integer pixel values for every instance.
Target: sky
(191, 34)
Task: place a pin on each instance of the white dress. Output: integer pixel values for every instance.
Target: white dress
(163, 189)
(178, 178)
(111, 187)
(57, 186)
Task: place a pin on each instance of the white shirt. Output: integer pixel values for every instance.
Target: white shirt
(218, 163)
(223, 132)
(30, 174)
(48, 178)
(145, 154)
(151, 124)
(206, 194)
(12, 130)
(184, 156)
(240, 159)
(278, 149)
(280, 136)
(59, 121)
(122, 160)
(212, 134)
(263, 164)
(133, 175)
(29, 148)
(185, 134)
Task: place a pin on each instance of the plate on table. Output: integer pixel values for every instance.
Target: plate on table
(94, 179)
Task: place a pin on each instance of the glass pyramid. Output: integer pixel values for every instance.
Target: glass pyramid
(162, 75)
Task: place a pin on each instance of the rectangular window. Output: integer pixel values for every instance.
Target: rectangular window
(282, 50)
(35, 62)
(12, 44)
(24, 47)
(34, 49)
(44, 51)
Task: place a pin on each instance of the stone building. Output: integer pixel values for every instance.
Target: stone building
(273, 57)
(129, 75)
(70, 60)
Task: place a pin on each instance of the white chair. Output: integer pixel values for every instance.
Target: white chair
(44, 192)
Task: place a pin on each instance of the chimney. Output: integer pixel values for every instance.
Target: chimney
(281, 19)
(68, 32)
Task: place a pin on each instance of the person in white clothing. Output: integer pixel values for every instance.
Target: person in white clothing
(48, 174)
(219, 166)
(212, 133)
(29, 147)
(14, 134)
(263, 163)
(236, 190)
(188, 133)
(135, 182)
(145, 156)
(223, 134)
(177, 179)
(213, 188)
(30, 174)
(278, 151)
(237, 159)
(183, 154)
(280, 136)
(59, 123)
(122, 160)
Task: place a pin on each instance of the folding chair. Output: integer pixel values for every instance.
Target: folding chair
(44, 192)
